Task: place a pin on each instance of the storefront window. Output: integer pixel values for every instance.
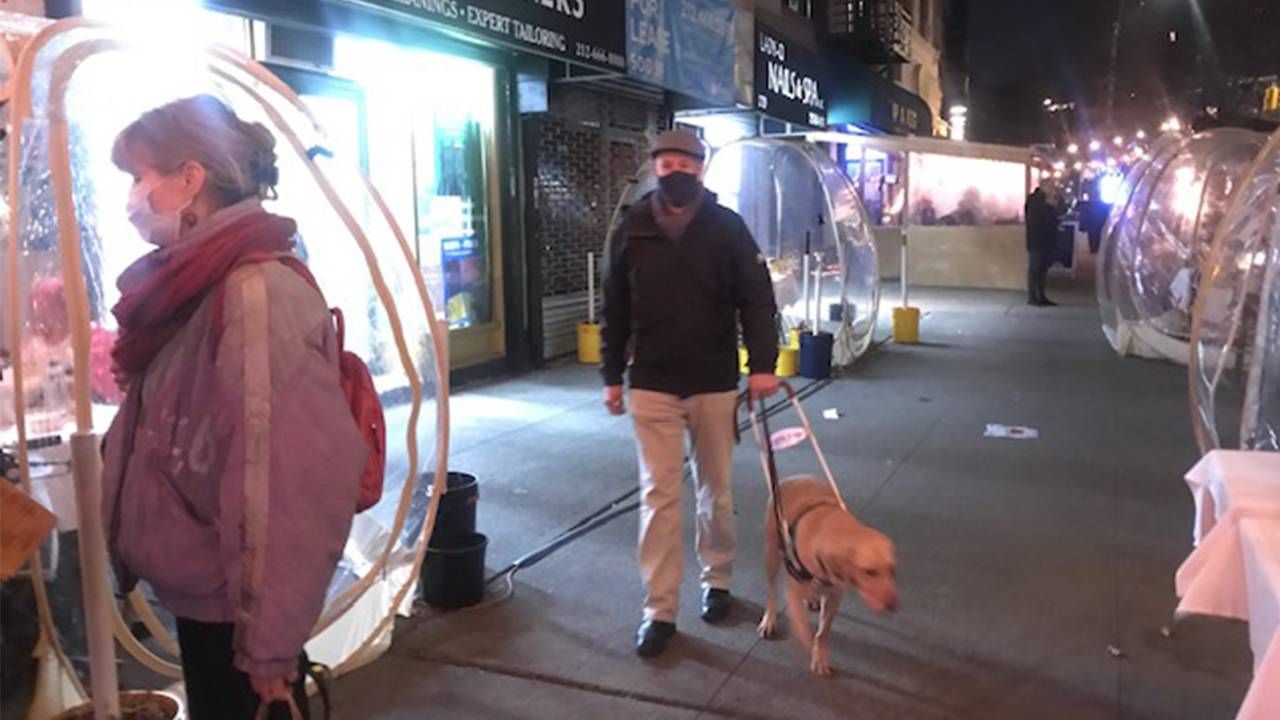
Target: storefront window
(878, 176)
(952, 190)
(447, 125)
(452, 207)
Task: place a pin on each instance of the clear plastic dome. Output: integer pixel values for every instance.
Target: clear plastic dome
(1235, 337)
(70, 239)
(794, 199)
(1122, 213)
(1161, 237)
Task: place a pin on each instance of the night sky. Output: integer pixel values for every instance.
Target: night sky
(1051, 42)
(1020, 51)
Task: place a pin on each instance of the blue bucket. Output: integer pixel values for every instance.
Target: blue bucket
(815, 355)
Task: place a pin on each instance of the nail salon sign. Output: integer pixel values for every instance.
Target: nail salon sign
(789, 79)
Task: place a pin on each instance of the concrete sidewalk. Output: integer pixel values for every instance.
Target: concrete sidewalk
(1020, 562)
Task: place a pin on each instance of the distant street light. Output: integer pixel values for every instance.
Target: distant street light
(1048, 102)
(1141, 135)
(1073, 148)
(1095, 146)
(1118, 140)
(1172, 125)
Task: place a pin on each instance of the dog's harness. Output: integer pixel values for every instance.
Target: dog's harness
(786, 532)
(791, 558)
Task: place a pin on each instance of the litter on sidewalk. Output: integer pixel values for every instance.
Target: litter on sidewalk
(831, 414)
(1011, 432)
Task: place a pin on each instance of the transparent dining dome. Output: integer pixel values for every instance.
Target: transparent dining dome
(1234, 368)
(68, 239)
(795, 201)
(1163, 235)
(1111, 286)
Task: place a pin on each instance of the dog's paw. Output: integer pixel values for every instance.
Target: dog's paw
(768, 627)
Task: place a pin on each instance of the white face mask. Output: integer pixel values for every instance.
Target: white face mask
(156, 228)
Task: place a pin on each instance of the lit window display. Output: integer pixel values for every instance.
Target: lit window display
(1234, 367)
(449, 127)
(881, 179)
(953, 190)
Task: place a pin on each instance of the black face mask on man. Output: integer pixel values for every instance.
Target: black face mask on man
(679, 188)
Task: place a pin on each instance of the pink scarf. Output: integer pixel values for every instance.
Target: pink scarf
(162, 289)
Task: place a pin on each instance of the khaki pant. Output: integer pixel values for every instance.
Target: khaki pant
(662, 424)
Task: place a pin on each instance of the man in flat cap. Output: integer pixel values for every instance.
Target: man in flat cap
(682, 274)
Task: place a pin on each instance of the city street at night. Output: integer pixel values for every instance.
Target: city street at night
(670, 359)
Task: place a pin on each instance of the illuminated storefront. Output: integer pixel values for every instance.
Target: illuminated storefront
(425, 98)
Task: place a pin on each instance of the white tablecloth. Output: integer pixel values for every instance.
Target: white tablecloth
(1225, 476)
(1235, 571)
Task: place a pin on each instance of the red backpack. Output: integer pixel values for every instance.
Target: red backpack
(356, 381)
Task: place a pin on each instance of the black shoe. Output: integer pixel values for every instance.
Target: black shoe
(1048, 303)
(652, 637)
(715, 605)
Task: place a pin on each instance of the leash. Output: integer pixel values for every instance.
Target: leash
(768, 462)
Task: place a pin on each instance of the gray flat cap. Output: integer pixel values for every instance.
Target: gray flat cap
(679, 141)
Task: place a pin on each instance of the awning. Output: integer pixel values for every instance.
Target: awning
(858, 96)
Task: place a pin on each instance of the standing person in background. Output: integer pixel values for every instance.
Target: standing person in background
(231, 471)
(682, 272)
(1042, 230)
(1093, 219)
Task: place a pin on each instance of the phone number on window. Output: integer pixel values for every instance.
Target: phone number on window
(590, 52)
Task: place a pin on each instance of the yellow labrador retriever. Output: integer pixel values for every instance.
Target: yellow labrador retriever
(839, 553)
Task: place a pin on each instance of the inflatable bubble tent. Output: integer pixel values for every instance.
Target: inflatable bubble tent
(1159, 236)
(792, 196)
(1234, 368)
(795, 200)
(63, 241)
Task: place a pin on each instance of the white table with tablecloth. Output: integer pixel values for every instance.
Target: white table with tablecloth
(1235, 570)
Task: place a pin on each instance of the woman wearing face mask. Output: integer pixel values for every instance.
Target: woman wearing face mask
(230, 470)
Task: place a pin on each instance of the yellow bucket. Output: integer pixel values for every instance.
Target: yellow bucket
(793, 339)
(589, 343)
(906, 325)
(788, 361)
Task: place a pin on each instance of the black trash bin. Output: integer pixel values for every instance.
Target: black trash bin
(453, 571)
(457, 514)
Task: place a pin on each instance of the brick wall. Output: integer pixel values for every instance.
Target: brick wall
(585, 149)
